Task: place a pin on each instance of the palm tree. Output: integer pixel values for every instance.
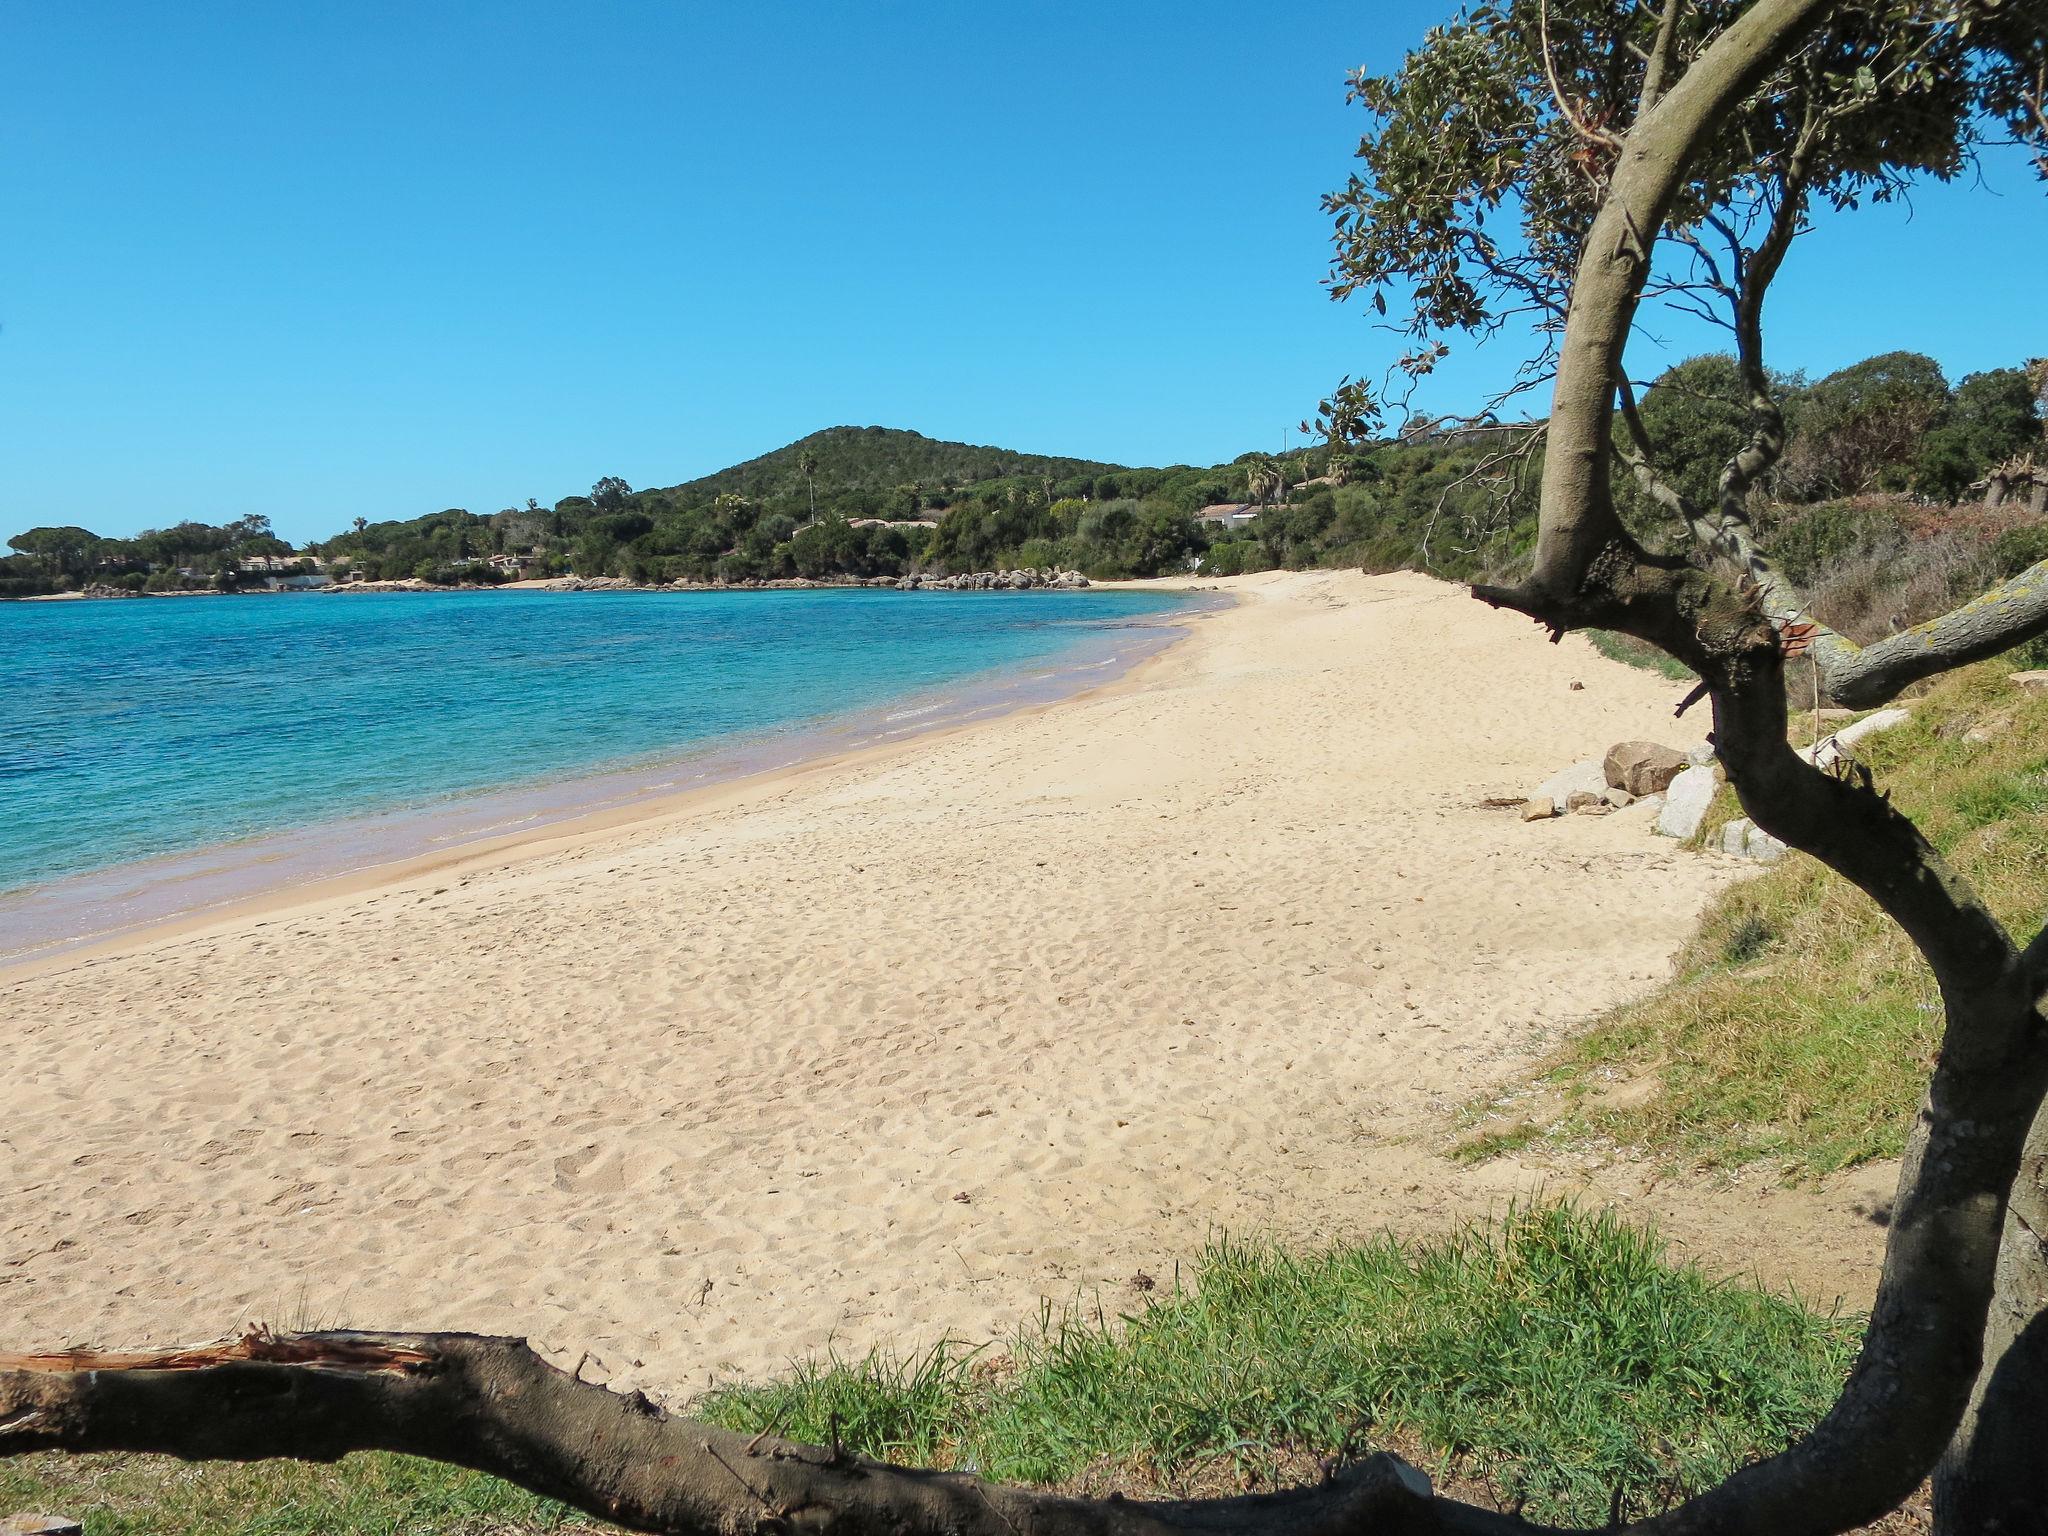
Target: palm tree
(1263, 480)
(807, 466)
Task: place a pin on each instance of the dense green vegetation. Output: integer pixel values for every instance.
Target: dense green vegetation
(1879, 453)
(1558, 1356)
(1802, 1025)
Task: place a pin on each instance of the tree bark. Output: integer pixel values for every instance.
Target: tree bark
(493, 1405)
(1994, 1479)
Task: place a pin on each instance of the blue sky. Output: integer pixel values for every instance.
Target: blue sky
(323, 261)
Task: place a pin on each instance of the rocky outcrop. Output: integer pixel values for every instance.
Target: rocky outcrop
(992, 581)
(1642, 767)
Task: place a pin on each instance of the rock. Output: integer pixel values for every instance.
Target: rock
(1585, 800)
(1700, 754)
(2033, 682)
(1744, 839)
(1619, 799)
(1686, 802)
(1588, 776)
(1578, 687)
(1540, 809)
(1763, 847)
(1642, 767)
(39, 1525)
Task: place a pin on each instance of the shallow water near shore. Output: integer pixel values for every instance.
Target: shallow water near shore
(162, 758)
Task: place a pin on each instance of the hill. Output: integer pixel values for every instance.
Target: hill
(880, 459)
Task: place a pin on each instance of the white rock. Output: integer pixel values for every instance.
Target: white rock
(1744, 839)
(1588, 777)
(1763, 847)
(1686, 802)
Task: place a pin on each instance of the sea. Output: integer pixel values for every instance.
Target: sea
(162, 756)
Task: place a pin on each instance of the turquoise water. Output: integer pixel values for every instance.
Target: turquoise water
(136, 729)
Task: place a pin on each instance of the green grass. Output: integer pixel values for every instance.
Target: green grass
(1801, 1024)
(1558, 1355)
(1639, 653)
(1555, 1355)
(359, 1496)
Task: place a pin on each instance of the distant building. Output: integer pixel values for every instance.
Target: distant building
(514, 562)
(1228, 514)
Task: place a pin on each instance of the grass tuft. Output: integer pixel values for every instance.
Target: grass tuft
(1557, 1354)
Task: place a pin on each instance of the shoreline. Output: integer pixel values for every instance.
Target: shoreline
(1047, 580)
(455, 831)
(889, 1048)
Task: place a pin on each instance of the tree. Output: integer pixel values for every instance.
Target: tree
(1612, 135)
(610, 494)
(62, 550)
(1991, 417)
(1262, 480)
(1860, 429)
(807, 466)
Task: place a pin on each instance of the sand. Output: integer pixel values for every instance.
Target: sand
(887, 1049)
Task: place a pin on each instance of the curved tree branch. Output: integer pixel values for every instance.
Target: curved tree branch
(492, 1404)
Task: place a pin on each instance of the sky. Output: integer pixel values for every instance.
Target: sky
(323, 261)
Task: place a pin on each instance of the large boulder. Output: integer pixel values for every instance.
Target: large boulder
(1686, 802)
(1642, 767)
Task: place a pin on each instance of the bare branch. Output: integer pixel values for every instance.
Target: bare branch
(493, 1405)
(1565, 109)
(1661, 55)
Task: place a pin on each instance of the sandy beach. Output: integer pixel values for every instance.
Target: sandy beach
(888, 1048)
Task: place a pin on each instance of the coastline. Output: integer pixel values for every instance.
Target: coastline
(972, 581)
(190, 890)
(884, 1049)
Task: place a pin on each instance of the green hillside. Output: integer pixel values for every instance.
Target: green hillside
(881, 459)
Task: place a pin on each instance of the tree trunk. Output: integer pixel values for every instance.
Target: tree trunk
(1994, 1479)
